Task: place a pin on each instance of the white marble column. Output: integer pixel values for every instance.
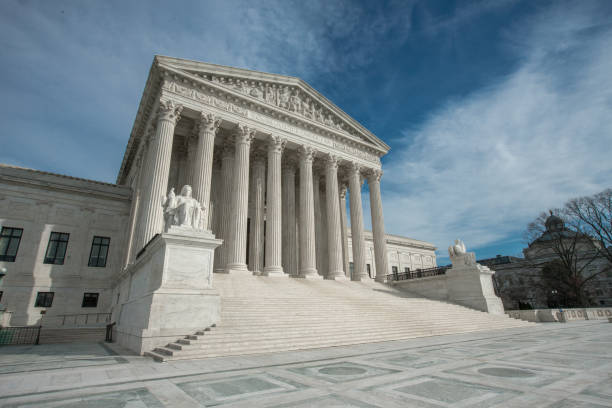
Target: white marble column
(274, 246)
(357, 236)
(318, 242)
(215, 194)
(308, 267)
(335, 268)
(289, 224)
(236, 261)
(323, 222)
(378, 226)
(344, 228)
(151, 220)
(203, 160)
(258, 192)
(227, 177)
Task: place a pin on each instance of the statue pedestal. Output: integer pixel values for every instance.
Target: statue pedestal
(472, 286)
(170, 291)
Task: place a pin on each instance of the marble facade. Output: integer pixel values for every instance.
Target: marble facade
(276, 167)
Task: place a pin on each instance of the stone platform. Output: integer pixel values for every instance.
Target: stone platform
(263, 314)
(547, 365)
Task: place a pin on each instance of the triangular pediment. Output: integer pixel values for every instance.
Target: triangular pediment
(289, 94)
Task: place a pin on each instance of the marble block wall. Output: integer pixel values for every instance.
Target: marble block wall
(170, 291)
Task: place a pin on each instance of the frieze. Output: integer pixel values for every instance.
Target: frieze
(227, 106)
(287, 97)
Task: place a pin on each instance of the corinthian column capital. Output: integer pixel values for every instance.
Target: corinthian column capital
(374, 175)
(354, 167)
(306, 153)
(331, 161)
(209, 122)
(244, 134)
(276, 144)
(169, 111)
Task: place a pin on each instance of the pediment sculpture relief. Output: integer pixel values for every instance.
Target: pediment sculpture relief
(183, 210)
(287, 97)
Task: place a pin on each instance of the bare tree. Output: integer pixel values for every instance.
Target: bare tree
(563, 256)
(594, 216)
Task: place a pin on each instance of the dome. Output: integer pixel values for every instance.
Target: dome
(554, 223)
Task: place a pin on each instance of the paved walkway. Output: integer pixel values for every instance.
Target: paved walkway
(551, 365)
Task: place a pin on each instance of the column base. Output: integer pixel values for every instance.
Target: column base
(275, 271)
(382, 279)
(362, 278)
(238, 268)
(339, 276)
(309, 274)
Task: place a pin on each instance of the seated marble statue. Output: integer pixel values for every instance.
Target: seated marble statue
(183, 210)
(459, 255)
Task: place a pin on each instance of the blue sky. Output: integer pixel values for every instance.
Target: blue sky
(494, 110)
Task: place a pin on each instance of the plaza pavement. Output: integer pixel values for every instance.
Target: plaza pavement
(549, 365)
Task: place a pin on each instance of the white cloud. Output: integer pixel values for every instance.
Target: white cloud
(483, 166)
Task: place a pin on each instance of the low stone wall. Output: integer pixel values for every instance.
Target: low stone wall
(561, 315)
(468, 285)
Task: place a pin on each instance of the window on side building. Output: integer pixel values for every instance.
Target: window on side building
(90, 300)
(9, 243)
(99, 252)
(56, 250)
(44, 299)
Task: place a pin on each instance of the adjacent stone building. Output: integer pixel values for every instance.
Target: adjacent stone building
(519, 281)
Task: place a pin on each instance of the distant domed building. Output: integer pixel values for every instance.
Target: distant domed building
(519, 279)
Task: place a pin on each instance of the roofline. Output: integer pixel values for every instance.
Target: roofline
(294, 79)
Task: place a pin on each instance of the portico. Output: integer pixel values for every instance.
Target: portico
(269, 158)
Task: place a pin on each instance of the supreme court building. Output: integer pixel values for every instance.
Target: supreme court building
(273, 164)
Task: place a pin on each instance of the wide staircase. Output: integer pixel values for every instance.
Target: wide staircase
(261, 314)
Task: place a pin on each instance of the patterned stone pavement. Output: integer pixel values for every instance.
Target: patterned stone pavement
(552, 365)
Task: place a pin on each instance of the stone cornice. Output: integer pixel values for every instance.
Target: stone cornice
(191, 82)
(59, 182)
(163, 75)
(181, 66)
(233, 111)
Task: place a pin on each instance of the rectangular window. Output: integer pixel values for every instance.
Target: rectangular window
(394, 270)
(407, 269)
(1, 293)
(369, 270)
(90, 300)
(9, 243)
(99, 252)
(56, 250)
(351, 268)
(44, 299)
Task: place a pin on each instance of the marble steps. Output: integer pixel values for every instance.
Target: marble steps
(222, 338)
(261, 315)
(256, 347)
(269, 323)
(72, 335)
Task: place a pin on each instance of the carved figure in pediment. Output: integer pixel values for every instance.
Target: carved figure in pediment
(183, 210)
(239, 86)
(328, 120)
(319, 115)
(309, 110)
(270, 95)
(295, 102)
(256, 92)
(284, 98)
